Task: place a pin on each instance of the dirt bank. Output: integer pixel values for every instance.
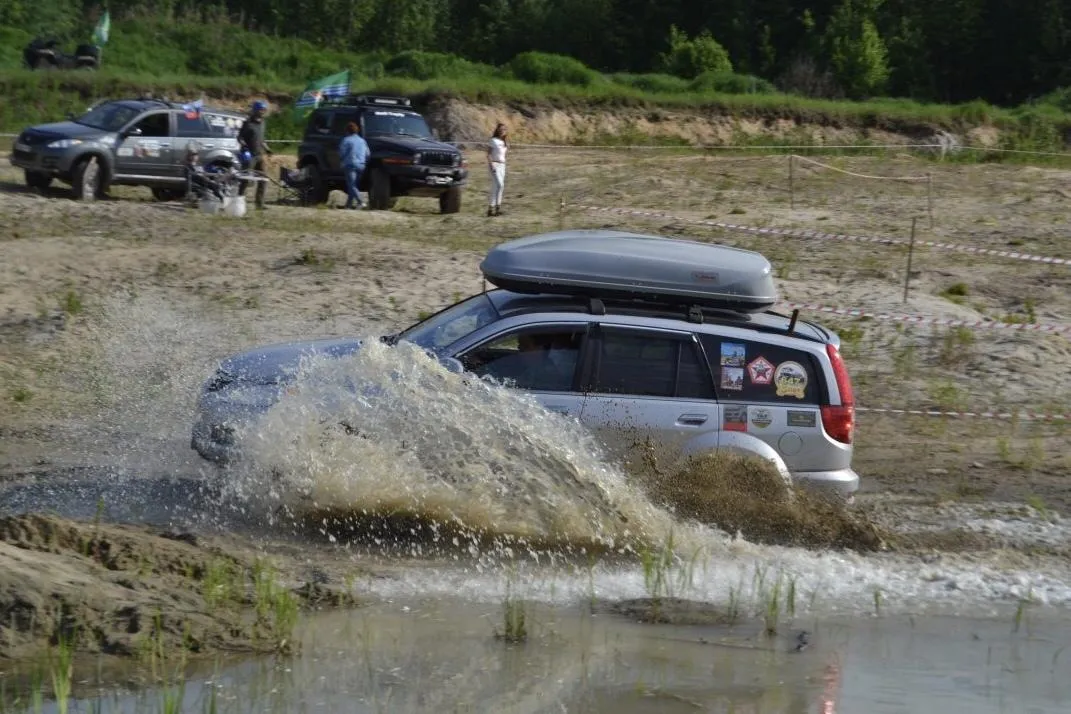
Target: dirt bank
(123, 590)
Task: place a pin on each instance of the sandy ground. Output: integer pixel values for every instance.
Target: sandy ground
(128, 302)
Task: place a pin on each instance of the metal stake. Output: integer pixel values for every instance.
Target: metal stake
(910, 255)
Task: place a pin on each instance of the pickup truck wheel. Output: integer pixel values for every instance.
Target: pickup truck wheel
(88, 180)
(37, 180)
(379, 192)
(315, 191)
(450, 200)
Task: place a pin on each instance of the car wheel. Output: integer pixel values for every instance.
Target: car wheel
(379, 193)
(167, 194)
(88, 182)
(450, 201)
(316, 191)
(38, 180)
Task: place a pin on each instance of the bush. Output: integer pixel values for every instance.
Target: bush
(416, 64)
(654, 83)
(690, 58)
(542, 68)
(1059, 98)
(731, 83)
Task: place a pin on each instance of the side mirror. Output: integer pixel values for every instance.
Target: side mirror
(133, 131)
(452, 365)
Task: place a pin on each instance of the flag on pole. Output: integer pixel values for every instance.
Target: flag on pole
(104, 26)
(193, 109)
(334, 85)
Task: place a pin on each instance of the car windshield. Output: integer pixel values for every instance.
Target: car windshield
(111, 116)
(450, 325)
(383, 121)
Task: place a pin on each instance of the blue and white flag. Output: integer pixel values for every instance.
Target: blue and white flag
(334, 85)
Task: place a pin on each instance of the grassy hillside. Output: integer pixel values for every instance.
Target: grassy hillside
(222, 61)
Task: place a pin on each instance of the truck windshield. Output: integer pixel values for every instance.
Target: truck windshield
(447, 327)
(110, 116)
(383, 121)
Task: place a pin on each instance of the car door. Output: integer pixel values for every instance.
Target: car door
(546, 360)
(339, 119)
(650, 392)
(191, 129)
(145, 149)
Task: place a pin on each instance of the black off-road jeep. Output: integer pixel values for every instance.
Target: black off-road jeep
(405, 158)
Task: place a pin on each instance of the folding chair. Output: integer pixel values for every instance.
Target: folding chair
(294, 186)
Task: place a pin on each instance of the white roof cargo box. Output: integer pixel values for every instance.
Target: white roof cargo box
(616, 264)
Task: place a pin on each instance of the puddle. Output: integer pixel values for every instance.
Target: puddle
(442, 655)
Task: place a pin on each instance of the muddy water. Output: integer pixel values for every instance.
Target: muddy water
(888, 633)
(442, 655)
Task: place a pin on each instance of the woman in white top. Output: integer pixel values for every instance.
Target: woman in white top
(496, 162)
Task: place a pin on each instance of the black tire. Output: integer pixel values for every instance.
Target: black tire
(88, 181)
(317, 190)
(167, 194)
(450, 200)
(38, 181)
(379, 191)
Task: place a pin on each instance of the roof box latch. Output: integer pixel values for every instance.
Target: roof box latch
(695, 314)
(597, 307)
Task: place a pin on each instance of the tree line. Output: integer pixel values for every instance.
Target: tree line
(1003, 51)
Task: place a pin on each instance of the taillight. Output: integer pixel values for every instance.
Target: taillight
(839, 421)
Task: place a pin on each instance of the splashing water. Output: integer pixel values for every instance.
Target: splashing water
(389, 430)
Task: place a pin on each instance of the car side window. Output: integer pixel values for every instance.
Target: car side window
(155, 125)
(321, 123)
(339, 122)
(187, 127)
(537, 359)
(653, 364)
(753, 371)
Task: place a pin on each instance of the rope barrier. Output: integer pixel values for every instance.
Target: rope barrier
(1022, 416)
(858, 175)
(789, 233)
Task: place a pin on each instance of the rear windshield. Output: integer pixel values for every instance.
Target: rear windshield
(110, 116)
(759, 372)
(385, 121)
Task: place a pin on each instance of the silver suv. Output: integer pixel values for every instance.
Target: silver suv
(644, 340)
(134, 142)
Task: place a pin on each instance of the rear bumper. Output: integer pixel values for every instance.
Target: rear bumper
(842, 482)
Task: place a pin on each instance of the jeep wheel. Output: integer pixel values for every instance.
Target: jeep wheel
(450, 201)
(88, 180)
(167, 194)
(38, 181)
(316, 191)
(379, 191)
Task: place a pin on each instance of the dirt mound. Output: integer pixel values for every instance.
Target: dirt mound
(119, 590)
(748, 496)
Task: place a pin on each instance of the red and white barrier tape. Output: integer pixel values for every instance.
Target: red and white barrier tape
(1022, 416)
(921, 320)
(789, 233)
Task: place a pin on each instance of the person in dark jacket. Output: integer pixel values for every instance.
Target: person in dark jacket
(251, 139)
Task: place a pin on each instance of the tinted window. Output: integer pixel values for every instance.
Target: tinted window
(111, 116)
(185, 126)
(339, 122)
(320, 123)
(158, 124)
(650, 364)
(759, 372)
(542, 359)
(385, 121)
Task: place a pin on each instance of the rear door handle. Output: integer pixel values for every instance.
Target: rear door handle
(692, 419)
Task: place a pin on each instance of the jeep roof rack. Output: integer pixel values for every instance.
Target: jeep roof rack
(633, 266)
(354, 100)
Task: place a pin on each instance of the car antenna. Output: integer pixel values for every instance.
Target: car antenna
(792, 322)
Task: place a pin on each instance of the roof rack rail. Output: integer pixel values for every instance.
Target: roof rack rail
(354, 100)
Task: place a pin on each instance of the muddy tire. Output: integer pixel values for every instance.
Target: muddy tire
(450, 201)
(38, 181)
(88, 181)
(167, 194)
(379, 191)
(316, 191)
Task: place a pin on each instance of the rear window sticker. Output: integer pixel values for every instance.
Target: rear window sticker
(760, 417)
(734, 417)
(732, 378)
(802, 419)
(732, 354)
(760, 370)
(790, 380)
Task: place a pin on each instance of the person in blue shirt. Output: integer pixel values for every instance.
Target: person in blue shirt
(353, 156)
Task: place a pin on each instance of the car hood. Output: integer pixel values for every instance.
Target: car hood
(274, 364)
(63, 130)
(410, 144)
